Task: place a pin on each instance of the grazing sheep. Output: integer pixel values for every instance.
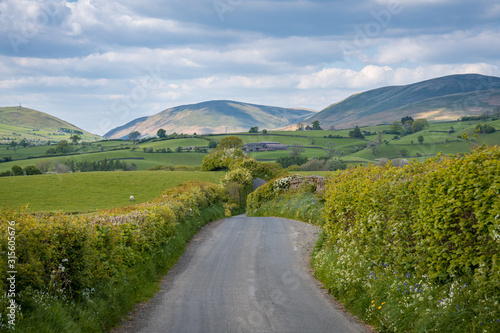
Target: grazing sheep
(131, 198)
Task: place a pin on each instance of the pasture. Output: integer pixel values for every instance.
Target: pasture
(148, 159)
(90, 191)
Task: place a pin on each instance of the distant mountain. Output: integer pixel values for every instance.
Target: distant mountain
(440, 99)
(212, 117)
(17, 123)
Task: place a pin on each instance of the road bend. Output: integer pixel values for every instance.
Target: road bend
(243, 274)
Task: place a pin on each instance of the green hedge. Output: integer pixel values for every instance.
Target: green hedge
(416, 249)
(70, 260)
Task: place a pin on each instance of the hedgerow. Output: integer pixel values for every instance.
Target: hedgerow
(411, 249)
(69, 259)
(422, 239)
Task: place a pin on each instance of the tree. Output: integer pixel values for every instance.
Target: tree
(396, 127)
(419, 125)
(62, 147)
(134, 136)
(13, 145)
(254, 129)
(296, 150)
(420, 139)
(451, 130)
(24, 143)
(356, 133)
(44, 165)
(264, 131)
(178, 149)
(373, 146)
(300, 127)
(161, 133)
(405, 119)
(32, 170)
(316, 126)
(213, 143)
(485, 128)
(331, 149)
(230, 142)
(75, 138)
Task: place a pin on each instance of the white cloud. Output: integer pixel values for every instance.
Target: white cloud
(369, 76)
(375, 76)
(459, 46)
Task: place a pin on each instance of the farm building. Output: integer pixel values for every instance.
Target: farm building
(264, 146)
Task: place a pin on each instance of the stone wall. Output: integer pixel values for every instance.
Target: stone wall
(319, 181)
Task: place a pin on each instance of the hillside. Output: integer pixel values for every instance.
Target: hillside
(213, 117)
(440, 99)
(18, 123)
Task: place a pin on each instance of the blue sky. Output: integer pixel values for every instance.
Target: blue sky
(101, 63)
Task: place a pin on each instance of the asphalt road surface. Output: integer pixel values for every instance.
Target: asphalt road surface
(243, 274)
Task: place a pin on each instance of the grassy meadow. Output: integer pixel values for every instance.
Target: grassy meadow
(90, 191)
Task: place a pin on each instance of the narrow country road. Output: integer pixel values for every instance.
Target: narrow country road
(243, 274)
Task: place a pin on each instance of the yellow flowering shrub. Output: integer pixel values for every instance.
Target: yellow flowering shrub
(83, 250)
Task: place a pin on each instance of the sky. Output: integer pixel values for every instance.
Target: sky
(99, 64)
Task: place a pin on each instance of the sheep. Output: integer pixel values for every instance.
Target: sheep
(131, 198)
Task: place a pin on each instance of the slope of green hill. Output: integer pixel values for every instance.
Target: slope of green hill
(444, 98)
(18, 123)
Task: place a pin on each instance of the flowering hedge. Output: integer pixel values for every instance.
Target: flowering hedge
(69, 255)
(422, 239)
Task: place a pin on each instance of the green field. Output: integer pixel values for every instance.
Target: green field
(288, 139)
(172, 144)
(436, 140)
(272, 155)
(89, 191)
(149, 159)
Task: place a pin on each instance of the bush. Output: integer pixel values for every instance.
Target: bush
(238, 184)
(313, 165)
(17, 170)
(335, 164)
(7, 173)
(264, 170)
(60, 168)
(485, 128)
(221, 159)
(286, 161)
(32, 170)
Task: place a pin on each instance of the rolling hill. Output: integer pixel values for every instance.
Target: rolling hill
(212, 117)
(18, 123)
(440, 99)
